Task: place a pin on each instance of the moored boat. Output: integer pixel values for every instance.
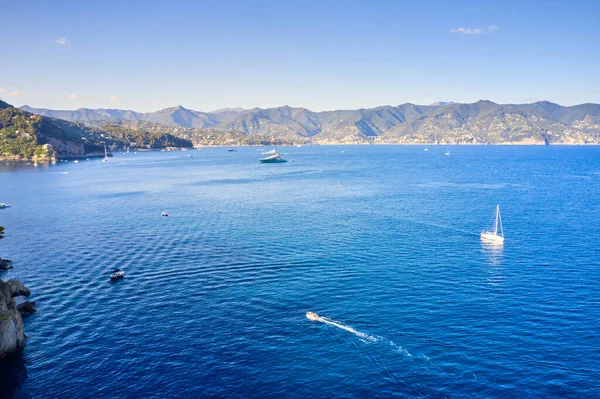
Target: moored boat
(117, 274)
(2, 206)
(277, 158)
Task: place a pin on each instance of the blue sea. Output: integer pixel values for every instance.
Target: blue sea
(381, 241)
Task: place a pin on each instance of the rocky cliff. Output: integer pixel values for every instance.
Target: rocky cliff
(11, 323)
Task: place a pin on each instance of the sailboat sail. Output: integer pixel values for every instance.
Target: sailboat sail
(493, 235)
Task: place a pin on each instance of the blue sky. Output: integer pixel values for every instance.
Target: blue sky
(320, 55)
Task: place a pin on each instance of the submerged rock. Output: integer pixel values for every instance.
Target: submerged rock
(5, 264)
(12, 336)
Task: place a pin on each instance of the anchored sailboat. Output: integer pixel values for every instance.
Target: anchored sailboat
(105, 155)
(493, 236)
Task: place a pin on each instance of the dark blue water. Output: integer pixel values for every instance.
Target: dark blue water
(383, 241)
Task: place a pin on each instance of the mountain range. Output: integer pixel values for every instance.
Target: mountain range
(443, 122)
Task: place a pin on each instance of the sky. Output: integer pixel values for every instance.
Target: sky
(321, 55)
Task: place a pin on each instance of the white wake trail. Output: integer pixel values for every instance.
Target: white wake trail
(349, 329)
(366, 337)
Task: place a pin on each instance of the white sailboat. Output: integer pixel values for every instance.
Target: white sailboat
(105, 155)
(494, 236)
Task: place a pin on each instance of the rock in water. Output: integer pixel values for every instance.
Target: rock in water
(5, 264)
(11, 323)
(27, 307)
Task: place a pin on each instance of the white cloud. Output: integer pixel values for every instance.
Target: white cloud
(474, 31)
(73, 96)
(113, 99)
(17, 93)
(62, 41)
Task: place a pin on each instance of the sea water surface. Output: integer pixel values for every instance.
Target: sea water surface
(381, 241)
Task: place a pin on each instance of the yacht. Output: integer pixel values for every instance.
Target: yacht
(117, 274)
(276, 158)
(494, 236)
(312, 316)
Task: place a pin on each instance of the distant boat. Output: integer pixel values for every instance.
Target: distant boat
(426, 149)
(447, 152)
(3, 206)
(76, 161)
(275, 158)
(492, 236)
(105, 154)
(117, 274)
(190, 156)
(165, 214)
(272, 152)
(312, 316)
(231, 150)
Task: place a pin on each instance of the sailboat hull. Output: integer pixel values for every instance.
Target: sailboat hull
(490, 236)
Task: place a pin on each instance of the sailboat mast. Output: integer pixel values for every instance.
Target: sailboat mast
(500, 220)
(496, 220)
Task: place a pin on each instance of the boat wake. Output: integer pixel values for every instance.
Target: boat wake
(363, 336)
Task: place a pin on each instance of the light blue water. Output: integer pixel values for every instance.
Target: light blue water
(382, 241)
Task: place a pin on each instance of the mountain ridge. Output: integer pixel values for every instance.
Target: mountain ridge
(476, 123)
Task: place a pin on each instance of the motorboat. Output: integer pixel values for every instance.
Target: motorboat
(117, 274)
(275, 158)
(312, 316)
(165, 214)
(2, 206)
(493, 235)
(231, 150)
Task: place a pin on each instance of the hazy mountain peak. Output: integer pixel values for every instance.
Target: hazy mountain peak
(442, 103)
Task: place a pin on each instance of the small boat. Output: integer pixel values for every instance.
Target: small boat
(117, 274)
(447, 152)
(312, 316)
(492, 235)
(426, 149)
(105, 155)
(76, 161)
(190, 156)
(272, 152)
(3, 206)
(165, 214)
(231, 150)
(273, 159)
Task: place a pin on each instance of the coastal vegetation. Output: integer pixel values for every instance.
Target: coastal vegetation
(27, 136)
